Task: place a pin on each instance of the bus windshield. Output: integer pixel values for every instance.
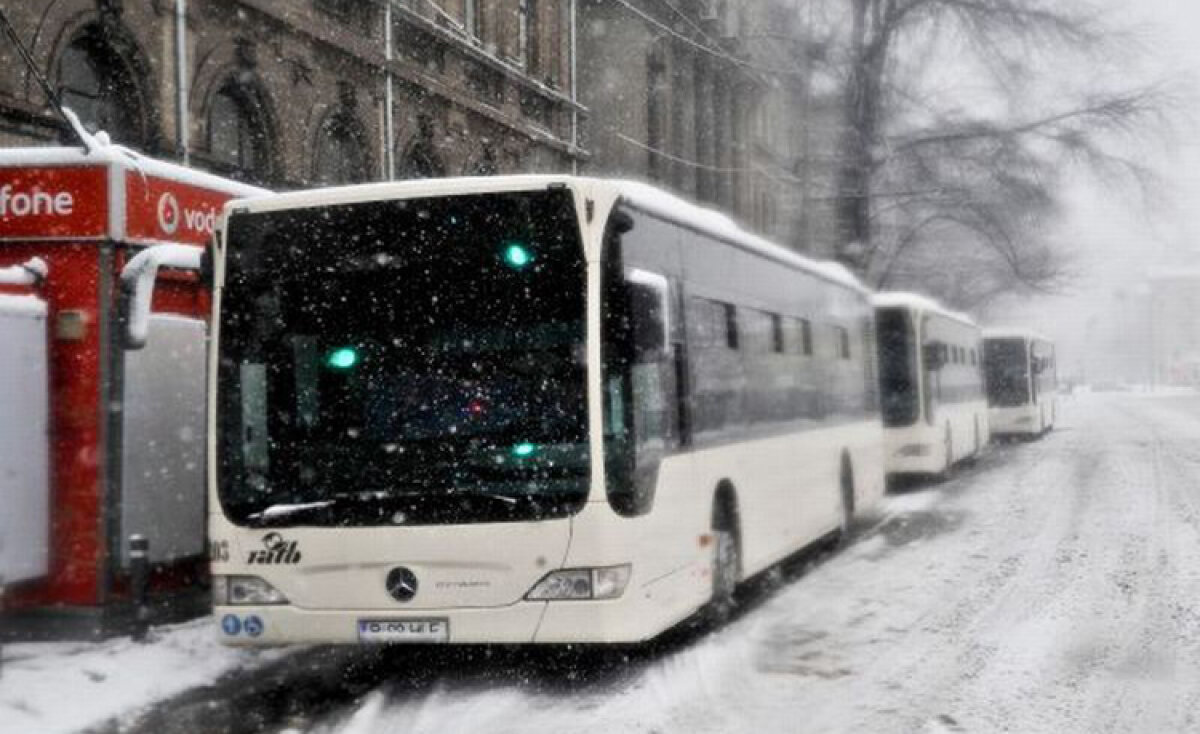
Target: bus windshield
(897, 367)
(1007, 363)
(404, 362)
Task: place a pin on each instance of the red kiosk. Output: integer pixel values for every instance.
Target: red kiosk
(97, 443)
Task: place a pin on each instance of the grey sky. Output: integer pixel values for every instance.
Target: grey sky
(1117, 239)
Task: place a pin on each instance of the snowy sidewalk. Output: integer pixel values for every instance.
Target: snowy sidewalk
(48, 687)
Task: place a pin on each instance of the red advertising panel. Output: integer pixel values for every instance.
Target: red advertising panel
(50, 202)
(163, 210)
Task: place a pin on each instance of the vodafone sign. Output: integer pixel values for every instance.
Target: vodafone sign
(160, 209)
(53, 202)
(77, 199)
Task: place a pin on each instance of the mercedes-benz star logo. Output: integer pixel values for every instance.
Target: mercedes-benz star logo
(402, 584)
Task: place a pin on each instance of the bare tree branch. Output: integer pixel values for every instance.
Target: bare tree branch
(981, 186)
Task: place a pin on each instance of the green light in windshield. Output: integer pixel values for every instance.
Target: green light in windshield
(523, 450)
(342, 358)
(516, 255)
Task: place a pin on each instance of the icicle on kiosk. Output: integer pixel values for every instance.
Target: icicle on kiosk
(99, 443)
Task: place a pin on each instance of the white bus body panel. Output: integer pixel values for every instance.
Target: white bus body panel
(1032, 419)
(969, 433)
(1038, 414)
(476, 576)
(921, 448)
(478, 580)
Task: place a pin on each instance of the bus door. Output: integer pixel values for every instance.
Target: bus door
(932, 361)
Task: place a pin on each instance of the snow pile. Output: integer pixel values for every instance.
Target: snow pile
(50, 687)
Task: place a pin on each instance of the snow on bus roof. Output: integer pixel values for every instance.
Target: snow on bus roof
(1014, 332)
(638, 194)
(918, 302)
(656, 201)
(110, 154)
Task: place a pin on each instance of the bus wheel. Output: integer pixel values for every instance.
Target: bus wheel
(847, 487)
(948, 447)
(726, 564)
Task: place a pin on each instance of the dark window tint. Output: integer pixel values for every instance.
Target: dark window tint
(731, 325)
(456, 398)
(899, 391)
(776, 333)
(1006, 363)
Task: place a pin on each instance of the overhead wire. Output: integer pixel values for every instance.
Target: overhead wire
(716, 52)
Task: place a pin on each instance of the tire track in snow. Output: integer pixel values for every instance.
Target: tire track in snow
(1048, 589)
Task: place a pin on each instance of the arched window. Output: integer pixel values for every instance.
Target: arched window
(238, 140)
(340, 156)
(100, 86)
(421, 160)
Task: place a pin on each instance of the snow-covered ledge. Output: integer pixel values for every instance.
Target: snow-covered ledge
(30, 272)
(137, 282)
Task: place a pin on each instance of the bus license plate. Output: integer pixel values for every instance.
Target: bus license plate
(403, 630)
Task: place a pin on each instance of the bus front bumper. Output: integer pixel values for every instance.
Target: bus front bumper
(1014, 422)
(526, 622)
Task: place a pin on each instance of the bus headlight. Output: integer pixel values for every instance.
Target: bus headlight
(582, 583)
(244, 591)
(1024, 420)
(915, 449)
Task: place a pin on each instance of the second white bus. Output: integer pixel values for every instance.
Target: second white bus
(520, 410)
(931, 384)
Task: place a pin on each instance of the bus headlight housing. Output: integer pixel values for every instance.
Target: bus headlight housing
(245, 591)
(915, 449)
(607, 582)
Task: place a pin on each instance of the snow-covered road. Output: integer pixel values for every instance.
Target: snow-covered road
(1052, 587)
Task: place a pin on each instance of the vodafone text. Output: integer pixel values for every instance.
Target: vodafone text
(195, 220)
(35, 202)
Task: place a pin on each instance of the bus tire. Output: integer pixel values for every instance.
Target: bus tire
(726, 569)
(846, 520)
(948, 448)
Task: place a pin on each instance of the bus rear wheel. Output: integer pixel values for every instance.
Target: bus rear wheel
(846, 520)
(948, 452)
(726, 567)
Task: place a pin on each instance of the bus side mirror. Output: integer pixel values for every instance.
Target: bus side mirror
(649, 303)
(137, 286)
(934, 356)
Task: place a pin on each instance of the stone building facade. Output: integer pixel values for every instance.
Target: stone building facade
(716, 99)
(719, 100)
(290, 93)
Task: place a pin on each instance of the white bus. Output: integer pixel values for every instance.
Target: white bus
(931, 384)
(521, 409)
(1022, 382)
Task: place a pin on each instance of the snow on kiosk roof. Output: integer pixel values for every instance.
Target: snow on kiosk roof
(635, 193)
(918, 302)
(108, 193)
